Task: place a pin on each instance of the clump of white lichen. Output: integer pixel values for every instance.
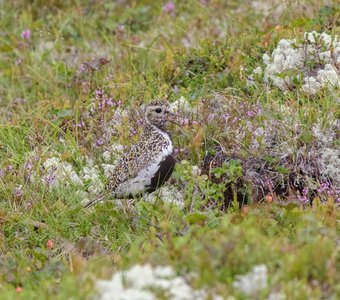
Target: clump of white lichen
(311, 64)
(252, 283)
(146, 282)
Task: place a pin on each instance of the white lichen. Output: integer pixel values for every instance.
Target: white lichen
(90, 173)
(311, 63)
(195, 171)
(168, 194)
(181, 104)
(327, 151)
(253, 282)
(59, 173)
(143, 282)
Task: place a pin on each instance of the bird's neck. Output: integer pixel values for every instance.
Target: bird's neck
(150, 128)
(159, 127)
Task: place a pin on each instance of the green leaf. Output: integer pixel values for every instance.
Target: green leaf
(195, 218)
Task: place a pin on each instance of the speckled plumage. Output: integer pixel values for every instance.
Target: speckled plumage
(135, 170)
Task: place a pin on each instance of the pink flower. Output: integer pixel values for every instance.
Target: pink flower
(26, 34)
(169, 7)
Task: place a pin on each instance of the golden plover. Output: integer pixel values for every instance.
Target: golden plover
(149, 162)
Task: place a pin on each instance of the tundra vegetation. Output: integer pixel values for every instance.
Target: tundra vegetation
(252, 209)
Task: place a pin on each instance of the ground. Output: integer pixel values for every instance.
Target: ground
(252, 209)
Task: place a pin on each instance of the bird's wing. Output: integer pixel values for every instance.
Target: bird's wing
(129, 165)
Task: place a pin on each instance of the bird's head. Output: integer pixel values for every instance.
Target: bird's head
(158, 113)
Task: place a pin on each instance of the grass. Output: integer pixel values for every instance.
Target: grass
(229, 221)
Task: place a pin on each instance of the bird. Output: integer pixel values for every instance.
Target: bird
(148, 163)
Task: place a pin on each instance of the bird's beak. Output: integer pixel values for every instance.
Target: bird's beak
(172, 117)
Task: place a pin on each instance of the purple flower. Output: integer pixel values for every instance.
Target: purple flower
(85, 86)
(99, 94)
(184, 121)
(17, 192)
(235, 120)
(251, 113)
(304, 197)
(226, 116)
(28, 165)
(258, 110)
(19, 61)
(324, 186)
(109, 102)
(10, 168)
(1, 173)
(82, 68)
(26, 34)
(169, 7)
(101, 105)
(99, 142)
(51, 178)
(81, 124)
(210, 117)
(133, 132)
(109, 77)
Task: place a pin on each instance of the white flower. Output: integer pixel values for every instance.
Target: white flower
(253, 282)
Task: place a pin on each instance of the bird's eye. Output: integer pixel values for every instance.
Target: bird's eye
(158, 110)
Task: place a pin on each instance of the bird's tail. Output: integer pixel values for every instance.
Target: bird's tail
(96, 200)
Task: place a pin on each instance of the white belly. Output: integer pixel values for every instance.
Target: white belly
(139, 183)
